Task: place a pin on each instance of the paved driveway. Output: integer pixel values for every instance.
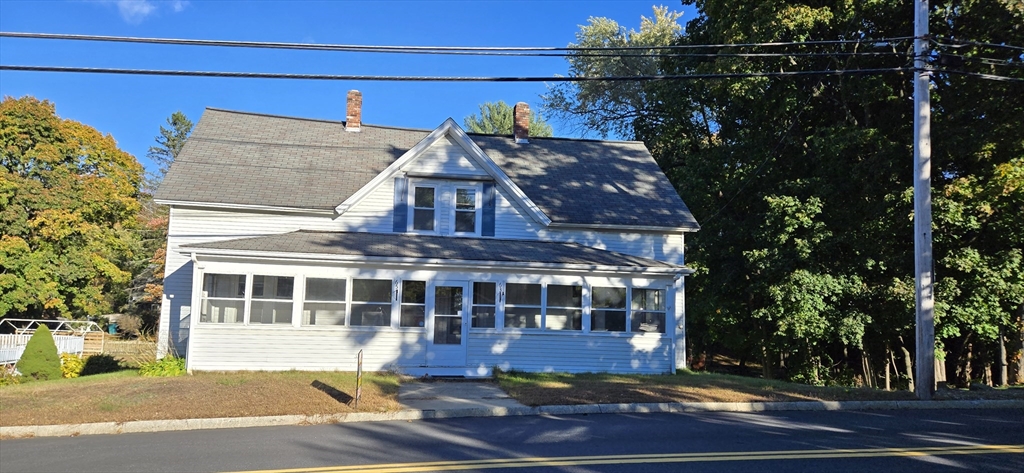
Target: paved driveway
(438, 395)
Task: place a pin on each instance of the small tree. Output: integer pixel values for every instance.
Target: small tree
(40, 360)
(496, 119)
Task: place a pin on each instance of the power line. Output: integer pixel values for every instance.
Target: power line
(427, 49)
(965, 42)
(980, 75)
(273, 75)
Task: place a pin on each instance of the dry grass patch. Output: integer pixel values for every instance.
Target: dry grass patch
(125, 396)
(538, 389)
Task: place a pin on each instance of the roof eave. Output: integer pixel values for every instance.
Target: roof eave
(222, 205)
(433, 263)
(639, 228)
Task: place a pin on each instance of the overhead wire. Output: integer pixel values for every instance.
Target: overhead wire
(273, 75)
(964, 42)
(429, 49)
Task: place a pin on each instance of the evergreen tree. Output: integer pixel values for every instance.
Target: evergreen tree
(40, 360)
(496, 119)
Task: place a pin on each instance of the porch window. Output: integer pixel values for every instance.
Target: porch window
(371, 302)
(414, 303)
(522, 305)
(271, 300)
(423, 209)
(564, 310)
(648, 311)
(483, 304)
(325, 302)
(608, 309)
(466, 209)
(223, 299)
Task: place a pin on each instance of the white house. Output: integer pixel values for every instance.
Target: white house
(296, 243)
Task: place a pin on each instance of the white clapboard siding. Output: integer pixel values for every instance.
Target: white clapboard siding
(574, 353)
(374, 213)
(444, 157)
(241, 348)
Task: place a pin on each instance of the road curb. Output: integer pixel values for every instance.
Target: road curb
(101, 428)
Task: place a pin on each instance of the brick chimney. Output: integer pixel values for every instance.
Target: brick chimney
(354, 113)
(521, 122)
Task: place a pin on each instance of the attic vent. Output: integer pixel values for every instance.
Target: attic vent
(521, 122)
(354, 113)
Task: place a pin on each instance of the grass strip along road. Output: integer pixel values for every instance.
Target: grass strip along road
(547, 462)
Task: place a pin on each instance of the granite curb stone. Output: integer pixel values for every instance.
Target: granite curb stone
(101, 428)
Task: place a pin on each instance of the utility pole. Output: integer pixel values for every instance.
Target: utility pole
(924, 277)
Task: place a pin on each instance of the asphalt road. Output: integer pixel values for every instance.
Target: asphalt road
(876, 441)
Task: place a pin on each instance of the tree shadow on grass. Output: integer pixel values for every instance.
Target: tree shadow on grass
(333, 392)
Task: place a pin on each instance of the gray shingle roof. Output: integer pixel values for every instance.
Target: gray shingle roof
(253, 159)
(400, 245)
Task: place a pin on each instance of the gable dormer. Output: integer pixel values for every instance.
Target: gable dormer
(446, 185)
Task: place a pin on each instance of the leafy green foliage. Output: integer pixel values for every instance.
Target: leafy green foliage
(68, 201)
(170, 141)
(496, 118)
(165, 367)
(71, 365)
(40, 360)
(610, 107)
(99, 364)
(803, 185)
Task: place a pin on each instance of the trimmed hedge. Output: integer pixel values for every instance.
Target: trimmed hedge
(40, 360)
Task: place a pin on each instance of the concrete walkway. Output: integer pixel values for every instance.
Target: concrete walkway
(444, 395)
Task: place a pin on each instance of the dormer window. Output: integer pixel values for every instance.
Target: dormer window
(424, 211)
(466, 210)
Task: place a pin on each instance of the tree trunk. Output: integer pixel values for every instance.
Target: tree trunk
(908, 364)
(888, 356)
(1003, 372)
(865, 366)
(1020, 344)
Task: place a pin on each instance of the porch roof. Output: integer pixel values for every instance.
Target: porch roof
(438, 249)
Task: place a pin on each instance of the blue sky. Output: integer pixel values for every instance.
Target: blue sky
(132, 108)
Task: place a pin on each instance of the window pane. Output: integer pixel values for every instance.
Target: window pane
(414, 292)
(371, 315)
(423, 219)
(648, 299)
(222, 312)
(323, 313)
(465, 222)
(564, 319)
(412, 316)
(565, 296)
(448, 300)
(447, 330)
(224, 285)
(610, 297)
(525, 294)
(272, 287)
(270, 312)
(602, 320)
(465, 199)
(424, 197)
(325, 289)
(483, 317)
(648, 322)
(522, 317)
(483, 293)
(371, 290)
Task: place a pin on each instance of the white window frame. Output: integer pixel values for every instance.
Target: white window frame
(244, 299)
(665, 311)
(346, 303)
(478, 190)
(413, 185)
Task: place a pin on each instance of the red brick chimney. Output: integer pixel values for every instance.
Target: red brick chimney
(521, 122)
(354, 114)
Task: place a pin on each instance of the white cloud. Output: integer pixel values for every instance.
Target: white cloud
(134, 11)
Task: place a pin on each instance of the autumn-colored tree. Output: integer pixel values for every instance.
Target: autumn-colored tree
(68, 205)
(147, 287)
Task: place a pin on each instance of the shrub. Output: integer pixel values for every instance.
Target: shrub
(71, 365)
(130, 325)
(40, 360)
(98, 364)
(7, 377)
(168, 366)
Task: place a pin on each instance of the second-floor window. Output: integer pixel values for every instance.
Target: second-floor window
(424, 208)
(466, 208)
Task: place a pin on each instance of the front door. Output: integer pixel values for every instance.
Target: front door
(447, 325)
